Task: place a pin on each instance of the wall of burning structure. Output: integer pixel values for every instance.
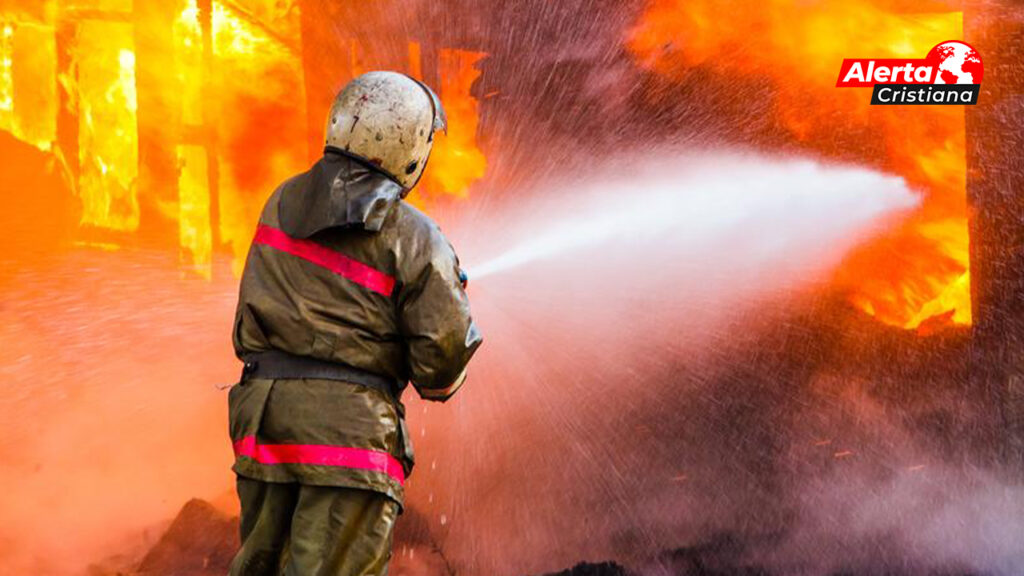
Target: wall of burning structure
(168, 120)
(172, 121)
(345, 39)
(228, 97)
(995, 131)
(795, 50)
(139, 141)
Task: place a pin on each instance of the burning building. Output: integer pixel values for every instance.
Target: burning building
(133, 128)
(172, 121)
(955, 261)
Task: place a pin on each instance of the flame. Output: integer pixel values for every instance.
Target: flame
(31, 66)
(799, 48)
(456, 161)
(260, 115)
(195, 232)
(261, 73)
(108, 128)
(233, 114)
(6, 81)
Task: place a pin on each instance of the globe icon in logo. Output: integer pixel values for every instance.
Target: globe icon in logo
(956, 63)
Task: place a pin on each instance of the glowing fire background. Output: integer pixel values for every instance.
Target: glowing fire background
(140, 138)
(223, 113)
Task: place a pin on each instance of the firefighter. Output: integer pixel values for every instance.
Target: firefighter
(348, 294)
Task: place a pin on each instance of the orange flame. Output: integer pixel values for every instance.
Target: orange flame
(6, 82)
(28, 87)
(456, 161)
(232, 113)
(918, 271)
(107, 130)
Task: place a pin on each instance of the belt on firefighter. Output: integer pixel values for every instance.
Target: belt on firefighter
(278, 365)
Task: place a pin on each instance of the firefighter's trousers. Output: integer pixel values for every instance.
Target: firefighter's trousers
(301, 530)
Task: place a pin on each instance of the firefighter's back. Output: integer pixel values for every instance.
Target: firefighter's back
(348, 294)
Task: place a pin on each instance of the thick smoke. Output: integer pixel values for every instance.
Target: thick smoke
(625, 402)
(659, 369)
(112, 416)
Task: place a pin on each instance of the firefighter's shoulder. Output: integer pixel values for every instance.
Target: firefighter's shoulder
(413, 224)
(420, 237)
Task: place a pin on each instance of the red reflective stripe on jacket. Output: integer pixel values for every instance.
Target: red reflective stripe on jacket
(340, 264)
(360, 458)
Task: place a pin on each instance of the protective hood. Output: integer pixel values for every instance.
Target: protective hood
(338, 192)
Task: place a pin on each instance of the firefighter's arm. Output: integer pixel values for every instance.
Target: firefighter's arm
(434, 313)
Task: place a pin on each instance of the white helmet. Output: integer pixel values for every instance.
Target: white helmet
(387, 119)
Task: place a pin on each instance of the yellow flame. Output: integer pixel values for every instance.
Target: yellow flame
(263, 70)
(194, 208)
(33, 83)
(457, 161)
(799, 47)
(236, 123)
(247, 66)
(233, 37)
(108, 127)
(6, 78)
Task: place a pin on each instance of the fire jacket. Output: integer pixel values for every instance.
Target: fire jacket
(342, 270)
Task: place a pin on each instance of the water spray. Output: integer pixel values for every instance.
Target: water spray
(680, 205)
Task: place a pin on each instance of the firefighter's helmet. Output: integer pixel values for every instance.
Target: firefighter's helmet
(387, 119)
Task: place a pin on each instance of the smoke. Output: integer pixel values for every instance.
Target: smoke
(626, 401)
(880, 496)
(644, 385)
(112, 417)
(611, 412)
(661, 371)
(869, 497)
